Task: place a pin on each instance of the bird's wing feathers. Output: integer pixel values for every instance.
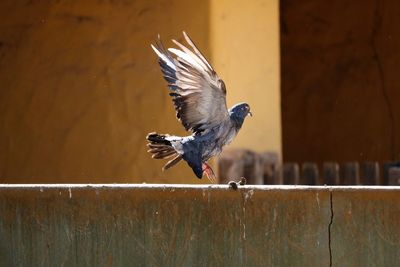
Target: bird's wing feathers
(199, 95)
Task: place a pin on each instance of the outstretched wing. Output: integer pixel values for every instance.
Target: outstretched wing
(198, 93)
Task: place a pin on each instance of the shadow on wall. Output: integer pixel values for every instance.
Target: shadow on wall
(340, 80)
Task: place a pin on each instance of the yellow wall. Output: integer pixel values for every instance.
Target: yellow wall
(80, 87)
(244, 39)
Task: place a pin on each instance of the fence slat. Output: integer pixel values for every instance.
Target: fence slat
(290, 173)
(370, 173)
(270, 163)
(331, 173)
(309, 174)
(350, 173)
(394, 176)
(386, 167)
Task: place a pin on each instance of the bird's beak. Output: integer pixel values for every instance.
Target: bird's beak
(250, 114)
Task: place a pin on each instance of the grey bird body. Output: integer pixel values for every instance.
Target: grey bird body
(198, 148)
(199, 96)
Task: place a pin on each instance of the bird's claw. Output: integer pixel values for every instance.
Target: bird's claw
(209, 173)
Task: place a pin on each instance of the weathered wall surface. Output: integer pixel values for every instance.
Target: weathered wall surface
(365, 228)
(198, 226)
(81, 88)
(340, 83)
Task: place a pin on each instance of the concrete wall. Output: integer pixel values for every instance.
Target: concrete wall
(135, 225)
(81, 88)
(340, 83)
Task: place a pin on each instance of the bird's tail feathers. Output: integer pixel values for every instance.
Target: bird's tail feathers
(157, 139)
(161, 148)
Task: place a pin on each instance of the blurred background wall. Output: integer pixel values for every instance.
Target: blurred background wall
(80, 87)
(245, 48)
(340, 81)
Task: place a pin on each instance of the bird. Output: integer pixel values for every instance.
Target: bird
(199, 97)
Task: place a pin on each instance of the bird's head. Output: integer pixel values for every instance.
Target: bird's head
(239, 112)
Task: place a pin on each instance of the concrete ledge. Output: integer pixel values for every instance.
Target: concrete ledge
(198, 225)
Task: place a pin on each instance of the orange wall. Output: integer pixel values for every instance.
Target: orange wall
(80, 87)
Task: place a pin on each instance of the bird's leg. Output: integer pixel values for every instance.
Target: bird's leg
(209, 172)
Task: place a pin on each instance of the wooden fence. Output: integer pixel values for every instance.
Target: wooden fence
(265, 168)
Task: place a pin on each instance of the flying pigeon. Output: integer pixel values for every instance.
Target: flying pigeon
(199, 96)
